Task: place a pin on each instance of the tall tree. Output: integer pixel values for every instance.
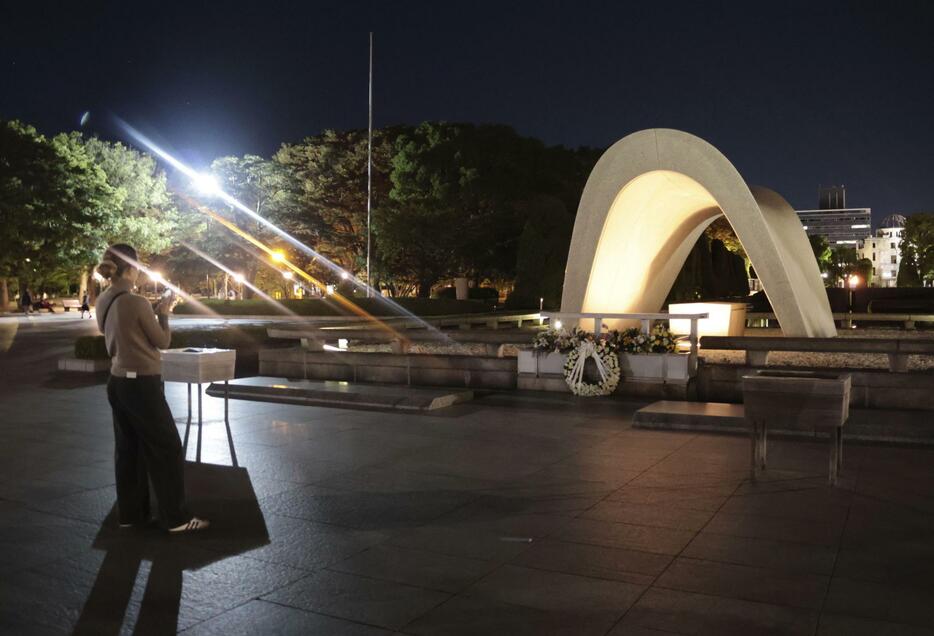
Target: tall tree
(475, 177)
(820, 247)
(328, 191)
(542, 254)
(52, 197)
(917, 246)
(143, 212)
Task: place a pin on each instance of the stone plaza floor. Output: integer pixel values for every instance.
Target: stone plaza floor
(512, 514)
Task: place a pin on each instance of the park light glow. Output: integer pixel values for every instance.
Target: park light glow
(256, 290)
(278, 256)
(557, 324)
(287, 275)
(345, 275)
(853, 280)
(156, 277)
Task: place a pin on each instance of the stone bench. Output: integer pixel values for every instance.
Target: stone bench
(401, 341)
(757, 348)
(71, 303)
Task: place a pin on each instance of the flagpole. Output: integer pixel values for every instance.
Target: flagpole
(369, 172)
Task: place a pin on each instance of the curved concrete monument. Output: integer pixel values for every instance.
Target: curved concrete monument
(646, 203)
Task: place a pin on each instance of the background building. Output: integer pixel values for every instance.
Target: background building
(884, 250)
(842, 226)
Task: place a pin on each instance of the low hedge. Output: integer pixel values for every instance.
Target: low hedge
(94, 348)
(489, 295)
(323, 307)
(91, 348)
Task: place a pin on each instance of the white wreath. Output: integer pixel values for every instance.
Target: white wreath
(607, 366)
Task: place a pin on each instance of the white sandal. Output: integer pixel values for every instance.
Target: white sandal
(191, 526)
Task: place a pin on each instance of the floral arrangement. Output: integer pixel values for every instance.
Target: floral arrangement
(559, 340)
(658, 340)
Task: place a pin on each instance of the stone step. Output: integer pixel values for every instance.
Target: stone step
(340, 394)
(871, 425)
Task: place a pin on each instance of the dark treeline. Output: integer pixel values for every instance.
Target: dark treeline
(449, 200)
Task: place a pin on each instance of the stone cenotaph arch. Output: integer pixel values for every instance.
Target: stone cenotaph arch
(646, 203)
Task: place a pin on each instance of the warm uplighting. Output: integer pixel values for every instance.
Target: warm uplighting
(557, 324)
(723, 319)
(278, 256)
(853, 280)
(156, 277)
(287, 275)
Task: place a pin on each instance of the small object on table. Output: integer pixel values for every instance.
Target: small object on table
(198, 366)
(796, 401)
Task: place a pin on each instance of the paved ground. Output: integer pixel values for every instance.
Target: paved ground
(510, 515)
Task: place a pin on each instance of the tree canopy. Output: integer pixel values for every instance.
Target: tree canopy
(917, 263)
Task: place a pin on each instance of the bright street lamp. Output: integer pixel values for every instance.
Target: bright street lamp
(239, 278)
(206, 184)
(853, 281)
(278, 256)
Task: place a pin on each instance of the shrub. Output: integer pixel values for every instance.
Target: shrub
(486, 294)
(91, 348)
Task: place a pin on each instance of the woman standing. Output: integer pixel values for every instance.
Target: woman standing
(147, 442)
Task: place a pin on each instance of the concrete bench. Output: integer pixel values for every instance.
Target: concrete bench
(71, 303)
(758, 348)
(401, 341)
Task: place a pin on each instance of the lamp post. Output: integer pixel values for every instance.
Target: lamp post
(287, 275)
(853, 283)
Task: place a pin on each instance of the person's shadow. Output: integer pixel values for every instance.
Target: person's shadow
(223, 494)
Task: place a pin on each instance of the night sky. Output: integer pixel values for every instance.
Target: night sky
(795, 94)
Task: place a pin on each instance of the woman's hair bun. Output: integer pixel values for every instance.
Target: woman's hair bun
(107, 268)
(117, 259)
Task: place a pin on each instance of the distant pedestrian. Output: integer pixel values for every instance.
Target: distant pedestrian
(85, 306)
(148, 448)
(26, 301)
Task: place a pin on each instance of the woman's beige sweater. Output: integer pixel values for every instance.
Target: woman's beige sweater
(133, 333)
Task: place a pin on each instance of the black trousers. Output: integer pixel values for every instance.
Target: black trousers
(147, 449)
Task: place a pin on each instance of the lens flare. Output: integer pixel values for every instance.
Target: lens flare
(240, 279)
(194, 176)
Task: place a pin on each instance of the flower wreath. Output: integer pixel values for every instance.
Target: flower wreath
(607, 367)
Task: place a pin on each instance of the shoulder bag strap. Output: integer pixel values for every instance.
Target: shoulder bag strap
(107, 311)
